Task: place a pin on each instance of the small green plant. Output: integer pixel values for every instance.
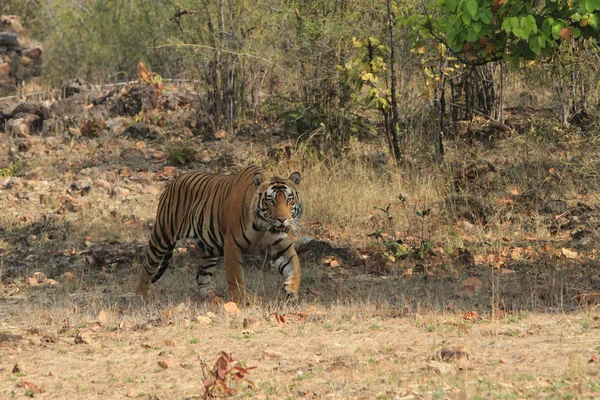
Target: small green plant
(13, 169)
(193, 341)
(180, 154)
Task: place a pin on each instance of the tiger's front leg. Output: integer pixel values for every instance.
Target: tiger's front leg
(287, 263)
(234, 262)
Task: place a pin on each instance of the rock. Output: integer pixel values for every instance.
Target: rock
(119, 192)
(101, 183)
(143, 131)
(33, 53)
(23, 125)
(76, 86)
(4, 69)
(152, 190)
(8, 39)
(29, 107)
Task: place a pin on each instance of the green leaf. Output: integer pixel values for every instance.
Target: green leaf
(541, 41)
(547, 24)
(451, 5)
(594, 22)
(486, 16)
(534, 46)
(472, 35)
(556, 27)
(472, 7)
(532, 23)
(477, 27)
(506, 26)
(514, 22)
(466, 19)
(452, 38)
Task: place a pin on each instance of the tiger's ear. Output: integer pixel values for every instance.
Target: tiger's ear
(258, 179)
(295, 177)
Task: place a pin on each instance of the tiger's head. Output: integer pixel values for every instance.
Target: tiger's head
(278, 207)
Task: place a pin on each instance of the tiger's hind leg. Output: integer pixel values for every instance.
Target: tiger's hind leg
(204, 276)
(153, 266)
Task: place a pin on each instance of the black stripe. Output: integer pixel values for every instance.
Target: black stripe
(236, 242)
(277, 242)
(282, 266)
(276, 256)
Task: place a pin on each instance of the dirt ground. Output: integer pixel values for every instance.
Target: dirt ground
(496, 298)
(352, 351)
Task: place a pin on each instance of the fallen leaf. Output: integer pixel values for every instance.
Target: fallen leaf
(232, 309)
(166, 313)
(16, 369)
(30, 386)
(593, 359)
(102, 316)
(470, 315)
(221, 134)
(271, 356)
(279, 318)
(569, 253)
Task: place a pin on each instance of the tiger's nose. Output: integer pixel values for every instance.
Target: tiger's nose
(281, 219)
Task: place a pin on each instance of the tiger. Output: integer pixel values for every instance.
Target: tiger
(226, 216)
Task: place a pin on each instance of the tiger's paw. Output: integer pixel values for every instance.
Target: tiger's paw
(290, 295)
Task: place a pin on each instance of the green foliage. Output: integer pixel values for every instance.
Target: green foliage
(13, 169)
(104, 40)
(180, 154)
(365, 69)
(486, 30)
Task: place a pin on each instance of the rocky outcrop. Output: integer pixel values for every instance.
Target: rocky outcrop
(20, 58)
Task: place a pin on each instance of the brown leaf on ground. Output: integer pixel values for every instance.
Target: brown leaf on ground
(30, 386)
(470, 315)
(279, 318)
(166, 313)
(593, 359)
(232, 309)
(221, 134)
(569, 253)
(16, 369)
(102, 316)
(271, 356)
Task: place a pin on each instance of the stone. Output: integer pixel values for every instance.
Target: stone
(9, 39)
(24, 125)
(4, 69)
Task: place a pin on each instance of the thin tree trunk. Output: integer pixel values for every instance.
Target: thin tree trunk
(394, 105)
